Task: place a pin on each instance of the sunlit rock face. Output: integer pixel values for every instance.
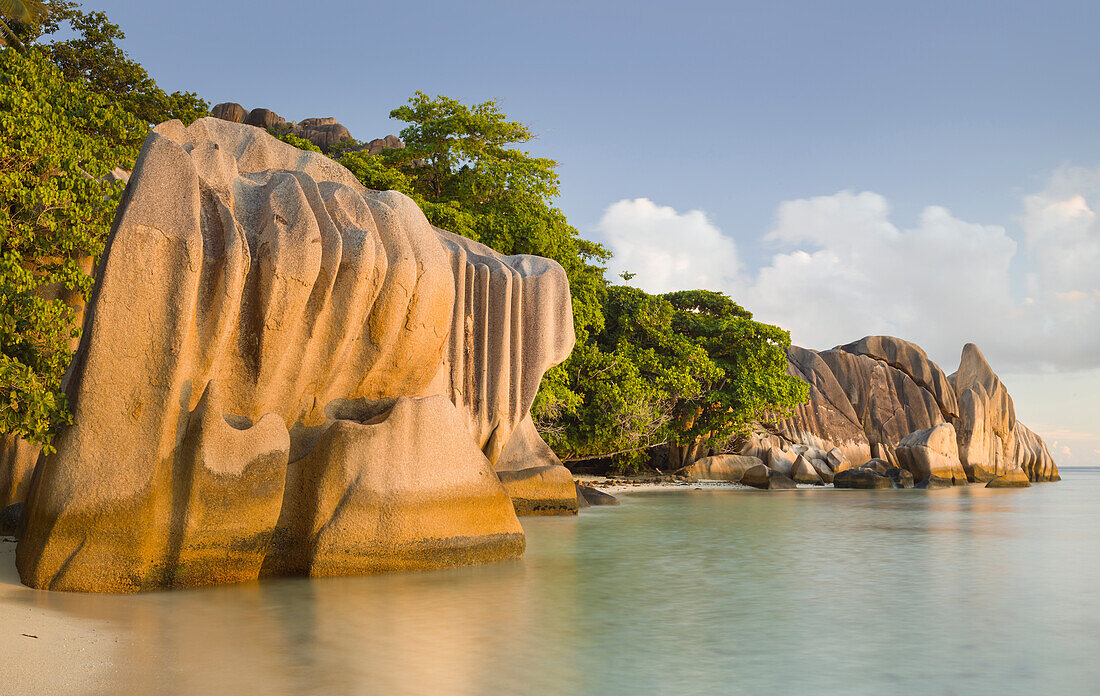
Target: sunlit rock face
(284, 372)
(868, 396)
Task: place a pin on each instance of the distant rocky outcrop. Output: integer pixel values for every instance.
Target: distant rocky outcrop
(284, 372)
(883, 397)
(324, 132)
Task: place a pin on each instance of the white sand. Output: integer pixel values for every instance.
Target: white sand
(44, 650)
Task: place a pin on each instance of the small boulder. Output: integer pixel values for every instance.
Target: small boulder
(901, 477)
(594, 496)
(582, 502)
(764, 478)
(803, 471)
(9, 519)
(823, 470)
(720, 467)
(263, 118)
(229, 111)
(782, 461)
(862, 478)
(1016, 478)
(933, 483)
(879, 466)
(932, 452)
(836, 459)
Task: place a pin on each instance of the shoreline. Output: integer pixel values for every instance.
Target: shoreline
(37, 639)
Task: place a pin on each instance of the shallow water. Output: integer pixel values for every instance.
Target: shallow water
(964, 591)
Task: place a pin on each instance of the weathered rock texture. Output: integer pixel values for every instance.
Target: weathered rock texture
(285, 372)
(324, 132)
(867, 397)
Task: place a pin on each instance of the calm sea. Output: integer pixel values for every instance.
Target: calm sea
(965, 591)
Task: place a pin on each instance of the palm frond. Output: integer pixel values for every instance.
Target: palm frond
(23, 11)
(7, 36)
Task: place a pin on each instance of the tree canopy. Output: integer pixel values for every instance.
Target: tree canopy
(58, 142)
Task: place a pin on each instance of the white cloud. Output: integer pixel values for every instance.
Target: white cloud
(846, 269)
(666, 249)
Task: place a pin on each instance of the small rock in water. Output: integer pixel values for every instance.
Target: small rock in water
(902, 478)
(766, 479)
(596, 497)
(934, 483)
(1013, 479)
(862, 478)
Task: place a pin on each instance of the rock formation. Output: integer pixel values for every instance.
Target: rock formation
(721, 467)
(324, 132)
(282, 371)
(869, 397)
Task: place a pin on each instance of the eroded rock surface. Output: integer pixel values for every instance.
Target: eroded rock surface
(868, 396)
(292, 373)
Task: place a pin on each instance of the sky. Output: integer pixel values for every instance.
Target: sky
(927, 170)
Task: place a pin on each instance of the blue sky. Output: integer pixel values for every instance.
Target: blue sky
(965, 133)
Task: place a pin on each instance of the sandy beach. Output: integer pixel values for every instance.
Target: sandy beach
(47, 651)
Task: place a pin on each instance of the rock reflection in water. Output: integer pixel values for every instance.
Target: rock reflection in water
(965, 590)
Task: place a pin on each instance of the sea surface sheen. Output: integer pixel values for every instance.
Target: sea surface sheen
(963, 591)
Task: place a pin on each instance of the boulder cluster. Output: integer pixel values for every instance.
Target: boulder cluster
(881, 414)
(324, 132)
(283, 372)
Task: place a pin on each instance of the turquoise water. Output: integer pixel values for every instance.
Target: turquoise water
(966, 591)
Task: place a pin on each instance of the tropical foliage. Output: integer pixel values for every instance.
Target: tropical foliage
(58, 142)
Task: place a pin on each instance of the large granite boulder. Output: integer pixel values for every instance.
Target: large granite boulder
(290, 373)
(719, 467)
(264, 118)
(229, 111)
(322, 132)
(862, 478)
(932, 452)
(804, 472)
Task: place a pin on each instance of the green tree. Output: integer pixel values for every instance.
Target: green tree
(58, 142)
(94, 56)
